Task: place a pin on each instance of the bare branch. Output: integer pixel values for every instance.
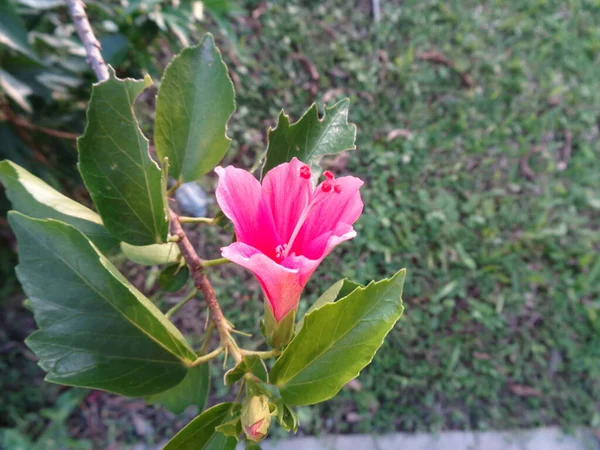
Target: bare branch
(203, 285)
(86, 34)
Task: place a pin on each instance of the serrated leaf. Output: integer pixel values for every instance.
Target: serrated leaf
(152, 255)
(310, 138)
(249, 364)
(33, 197)
(124, 182)
(337, 341)
(193, 390)
(13, 32)
(200, 433)
(95, 329)
(194, 103)
(334, 293)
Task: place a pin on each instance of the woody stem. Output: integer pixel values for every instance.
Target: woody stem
(203, 285)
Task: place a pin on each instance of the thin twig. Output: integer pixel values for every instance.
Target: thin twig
(203, 285)
(262, 355)
(205, 220)
(86, 34)
(20, 122)
(214, 262)
(186, 299)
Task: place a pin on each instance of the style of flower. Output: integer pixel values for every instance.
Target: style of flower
(286, 227)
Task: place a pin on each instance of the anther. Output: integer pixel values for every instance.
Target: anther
(305, 172)
(326, 186)
(328, 175)
(337, 188)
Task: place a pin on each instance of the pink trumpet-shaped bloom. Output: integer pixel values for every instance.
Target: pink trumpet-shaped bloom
(286, 227)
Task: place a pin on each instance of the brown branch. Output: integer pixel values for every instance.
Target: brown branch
(20, 122)
(86, 34)
(202, 283)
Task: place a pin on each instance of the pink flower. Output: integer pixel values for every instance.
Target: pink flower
(286, 227)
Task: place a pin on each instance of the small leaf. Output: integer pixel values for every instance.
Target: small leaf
(310, 138)
(96, 330)
(249, 364)
(337, 341)
(152, 255)
(286, 416)
(333, 294)
(33, 197)
(194, 103)
(13, 32)
(193, 390)
(124, 182)
(200, 433)
(173, 277)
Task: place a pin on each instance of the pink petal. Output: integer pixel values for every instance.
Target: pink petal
(318, 248)
(239, 196)
(282, 285)
(286, 193)
(331, 210)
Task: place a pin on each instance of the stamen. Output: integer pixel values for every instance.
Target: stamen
(328, 175)
(326, 186)
(305, 172)
(337, 188)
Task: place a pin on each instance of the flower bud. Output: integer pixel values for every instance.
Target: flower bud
(256, 417)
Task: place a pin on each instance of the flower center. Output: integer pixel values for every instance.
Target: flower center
(282, 251)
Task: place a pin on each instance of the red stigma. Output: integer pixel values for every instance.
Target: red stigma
(305, 172)
(328, 175)
(326, 186)
(337, 188)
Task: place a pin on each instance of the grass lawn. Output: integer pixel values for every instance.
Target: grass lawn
(482, 178)
(478, 143)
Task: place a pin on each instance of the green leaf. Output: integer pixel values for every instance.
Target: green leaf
(249, 364)
(193, 106)
(124, 182)
(33, 197)
(152, 255)
(286, 416)
(200, 433)
(310, 138)
(96, 329)
(173, 277)
(193, 390)
(333, 294)
(12, 30)
(337, 341)
(16, 90)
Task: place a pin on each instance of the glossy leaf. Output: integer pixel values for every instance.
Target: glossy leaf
(337, 341)
(152, 255)
(310, 138)
(249, 364)
(200, 433)
(12, 30)
(124, 182)
(95, 329)
(33, 197)
(334, 293)
(194, 103)
(193, 390)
